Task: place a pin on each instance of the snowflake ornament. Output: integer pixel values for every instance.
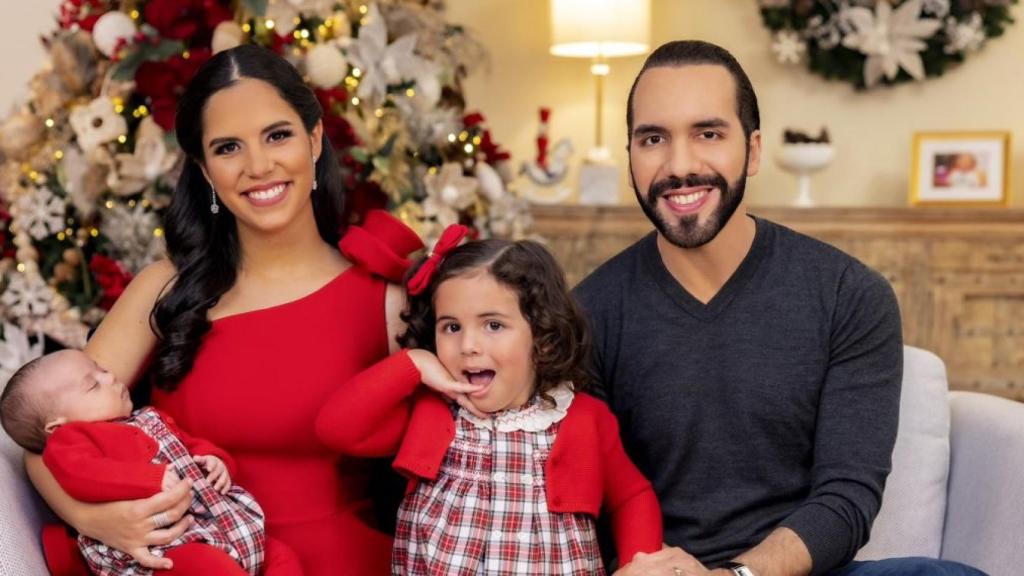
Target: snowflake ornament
(16, 351)
(966, 36)
(26, 296)
(789, 47)
(40, 213)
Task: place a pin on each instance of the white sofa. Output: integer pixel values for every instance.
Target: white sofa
(956, 490)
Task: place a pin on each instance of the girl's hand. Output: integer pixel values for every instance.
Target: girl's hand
(436, 376)
(216, 472)
(133, 526)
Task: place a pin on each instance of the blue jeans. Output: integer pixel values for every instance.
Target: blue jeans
(906, 567)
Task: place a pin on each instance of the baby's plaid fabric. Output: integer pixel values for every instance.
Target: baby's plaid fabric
(232, 522)
(487, 513)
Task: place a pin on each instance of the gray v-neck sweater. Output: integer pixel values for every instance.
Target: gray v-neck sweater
(775, 404)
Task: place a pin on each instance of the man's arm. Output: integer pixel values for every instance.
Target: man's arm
(858, 414)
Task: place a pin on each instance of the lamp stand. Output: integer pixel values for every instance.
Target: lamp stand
(599, 177)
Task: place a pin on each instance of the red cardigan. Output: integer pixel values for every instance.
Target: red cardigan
(384, 411)
(103, 462)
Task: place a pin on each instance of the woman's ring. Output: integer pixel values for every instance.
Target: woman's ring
(160, 520)
(677, 571)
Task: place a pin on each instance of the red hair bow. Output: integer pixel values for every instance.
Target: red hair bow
(449, 239)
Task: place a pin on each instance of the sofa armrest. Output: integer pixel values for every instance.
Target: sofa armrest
(986, 494)
(22, 514)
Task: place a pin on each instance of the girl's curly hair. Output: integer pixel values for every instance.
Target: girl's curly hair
(561, 340)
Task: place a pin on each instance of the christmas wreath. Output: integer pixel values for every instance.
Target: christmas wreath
(872, 42)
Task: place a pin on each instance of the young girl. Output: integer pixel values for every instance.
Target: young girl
(510, 477)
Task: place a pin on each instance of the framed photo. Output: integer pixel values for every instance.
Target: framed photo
(960, 169)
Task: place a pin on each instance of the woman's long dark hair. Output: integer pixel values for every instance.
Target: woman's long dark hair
(203, 246)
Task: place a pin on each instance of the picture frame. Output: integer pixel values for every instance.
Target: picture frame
(960, 169)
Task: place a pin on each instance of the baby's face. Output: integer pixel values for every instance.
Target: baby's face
(82, 390)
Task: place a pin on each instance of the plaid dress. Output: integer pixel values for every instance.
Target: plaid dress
(232, 522)
(487, 511)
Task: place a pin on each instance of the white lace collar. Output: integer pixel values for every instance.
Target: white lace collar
(537, 415)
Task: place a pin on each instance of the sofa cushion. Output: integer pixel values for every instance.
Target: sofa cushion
(21, 515)
(913, 511)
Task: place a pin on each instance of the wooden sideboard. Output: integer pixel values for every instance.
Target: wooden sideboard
(958, 274)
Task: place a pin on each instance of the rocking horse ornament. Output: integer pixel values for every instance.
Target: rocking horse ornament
(548, 170)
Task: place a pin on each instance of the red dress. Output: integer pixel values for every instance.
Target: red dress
(257, 384)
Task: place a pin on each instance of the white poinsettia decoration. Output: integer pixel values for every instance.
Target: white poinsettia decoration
(382, 64)
(16, 350)
(26, 295)
(890, 38)
(97, 123)
(448, 191)
(789, 47)
(966, 36)
(148, 163)
(40, 213)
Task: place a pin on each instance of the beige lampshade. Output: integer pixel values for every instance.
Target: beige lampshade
(600, 28)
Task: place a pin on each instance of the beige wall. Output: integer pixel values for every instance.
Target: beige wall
(872, 131)
(24, 22)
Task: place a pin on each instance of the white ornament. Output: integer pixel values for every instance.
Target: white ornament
(891, 39)
(964, 36)
(97, 123)
(26, 296)
(789, 47)
(16, 350)
(227, 35)
(326, 66)
(110, 29)
(491, 185)
(40, 213)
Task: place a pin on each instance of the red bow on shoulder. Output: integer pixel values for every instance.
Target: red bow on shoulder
(448, 241)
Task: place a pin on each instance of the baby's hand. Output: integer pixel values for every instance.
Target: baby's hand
(170, 480)
(216, 472)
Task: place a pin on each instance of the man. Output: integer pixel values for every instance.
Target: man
(756, 372)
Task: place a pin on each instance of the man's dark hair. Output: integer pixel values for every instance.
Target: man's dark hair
(22, 413)
(693, 52)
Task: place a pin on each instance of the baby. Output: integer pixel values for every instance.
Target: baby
(80, 417)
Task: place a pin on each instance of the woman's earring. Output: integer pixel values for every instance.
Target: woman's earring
(314, 173)
(214, 208)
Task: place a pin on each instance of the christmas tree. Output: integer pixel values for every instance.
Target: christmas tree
(90, 161)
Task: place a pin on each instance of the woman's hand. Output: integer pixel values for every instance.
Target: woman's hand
(132, 526)
(436, 376)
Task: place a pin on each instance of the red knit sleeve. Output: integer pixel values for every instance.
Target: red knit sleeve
(75, 455)
(198, 446)
(629, 500)
(368, 414)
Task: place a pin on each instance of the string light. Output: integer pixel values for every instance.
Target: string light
(135, 14)
(94, 232)
(363, 9)
(49, 122)
(131, 203)
(477, 140)
(21, 267)
(158, 232)
(269, 24)
(118, 105)
(122, 139)
(355, 101)
(109, 204)
(463, 136)
(59, 154)
(410, 92)
(378, 113)
(468, 148)
(61, 236)
(451, 138)
(246, 28)
(186, 54)
(357, 72)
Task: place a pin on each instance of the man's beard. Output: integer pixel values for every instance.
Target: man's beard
(688, 231)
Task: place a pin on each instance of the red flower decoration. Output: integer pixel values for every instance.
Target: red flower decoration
(83, 13)
(111, 277)
(165, 82)
(191, 20)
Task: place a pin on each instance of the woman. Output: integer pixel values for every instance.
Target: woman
(255, 318)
